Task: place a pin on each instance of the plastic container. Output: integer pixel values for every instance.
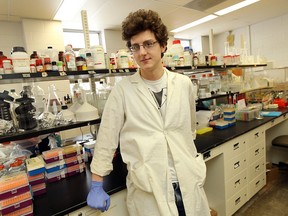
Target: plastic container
(15, 203)
(55, 166)
(78, 168)
(86, 112)
(39, 189)
(51, 53)
(98, 55)
(72, 150)
(122, 59)
(2, 57)
(13, 184)
(70, 59)
(77, 93)
(20, 60)
(177, 51)
(71, 161)
(36, 179)
(53, 155)
(56, 176)
(35, 165)
(67, 115)
(7, 66)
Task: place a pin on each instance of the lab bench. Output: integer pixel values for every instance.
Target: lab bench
(236, 170)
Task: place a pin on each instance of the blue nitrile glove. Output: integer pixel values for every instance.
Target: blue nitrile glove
(97, 197)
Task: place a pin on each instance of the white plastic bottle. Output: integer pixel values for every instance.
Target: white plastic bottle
(123, 59)
(98, 57)
(70, 58)
(20, 60)
(52, 53)
(177, 51)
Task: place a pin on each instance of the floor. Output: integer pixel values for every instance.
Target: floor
(272, 200)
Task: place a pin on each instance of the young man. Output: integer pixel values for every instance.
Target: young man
(152, 115)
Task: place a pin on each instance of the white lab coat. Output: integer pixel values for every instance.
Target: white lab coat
(132, 117)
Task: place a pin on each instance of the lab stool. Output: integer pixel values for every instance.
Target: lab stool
(281, 142)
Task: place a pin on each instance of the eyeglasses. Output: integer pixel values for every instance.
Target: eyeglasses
(146, 45)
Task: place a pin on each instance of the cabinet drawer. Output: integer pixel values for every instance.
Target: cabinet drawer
(256, 152)
(237, 201)
(212, 153)
(256, 184)
(255, 136)
(276, 121)
(235, 165)
(234, 147)
(256, 168)
(236, 184)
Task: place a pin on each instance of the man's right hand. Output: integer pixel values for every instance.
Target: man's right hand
(97, 197)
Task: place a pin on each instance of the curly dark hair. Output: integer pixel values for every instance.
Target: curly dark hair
(143, 20)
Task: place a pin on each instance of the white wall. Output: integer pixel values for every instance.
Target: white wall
(113, 41)
(11, 35)
(39, 34)
(267, 39)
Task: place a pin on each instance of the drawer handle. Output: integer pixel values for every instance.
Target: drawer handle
(236, 146)
(256, 135)
(256, 152)
(236, 165)
(206, 155)
(238, 200)
(257, 168)
(257, 183)
(237, 183)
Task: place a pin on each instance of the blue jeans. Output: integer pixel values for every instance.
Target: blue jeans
(178, 199)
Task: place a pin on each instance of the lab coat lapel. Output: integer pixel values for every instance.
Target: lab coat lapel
(142, 88)
(170, 88)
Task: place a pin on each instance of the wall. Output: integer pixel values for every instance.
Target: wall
(39, 34)
(113, 41)
(11, 35)
(267, 39)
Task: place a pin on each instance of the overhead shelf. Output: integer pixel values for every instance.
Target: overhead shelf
(40, 131)
(52, 74)
(214, 66)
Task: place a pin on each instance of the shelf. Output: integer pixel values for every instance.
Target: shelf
(37, 131)
(123, 70)
(52, 74)
(185, 68)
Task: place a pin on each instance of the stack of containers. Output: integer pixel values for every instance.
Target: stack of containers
(74, 159)
(35, 170)
(55, 168)
(15, 195)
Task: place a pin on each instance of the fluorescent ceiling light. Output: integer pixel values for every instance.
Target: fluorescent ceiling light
(68, 9)
(195, 23)
(235, 7)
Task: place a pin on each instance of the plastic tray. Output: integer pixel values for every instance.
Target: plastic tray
(15, 203)
(56, 176)
(55, 166)
(39, 189)
(35, 165)
(26, 211)
(71, 161)
(73, 170)
(72, 150)
(53, 155)
(13, 184)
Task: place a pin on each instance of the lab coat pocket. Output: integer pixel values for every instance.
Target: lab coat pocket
(140, 178)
